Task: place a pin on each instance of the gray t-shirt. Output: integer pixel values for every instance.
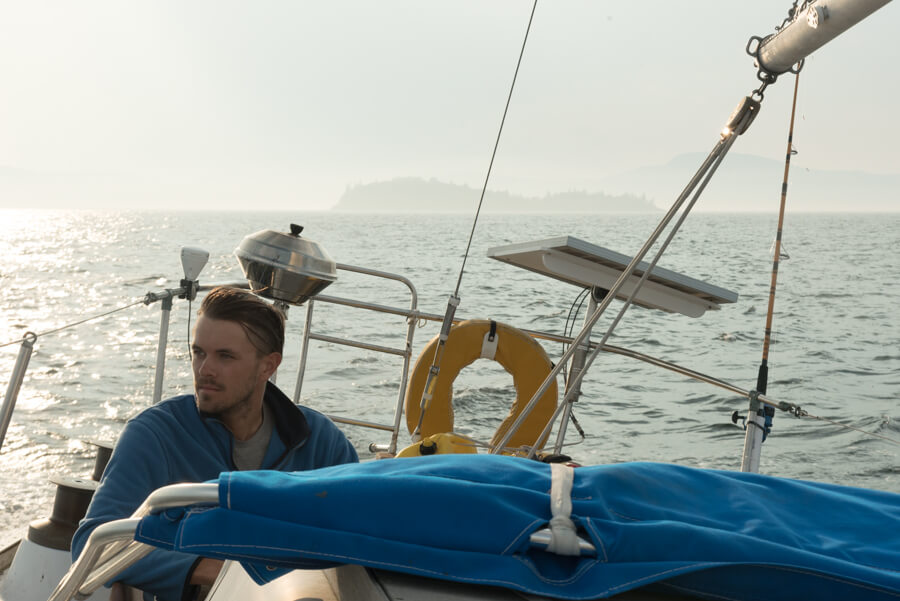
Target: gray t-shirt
(249, 454)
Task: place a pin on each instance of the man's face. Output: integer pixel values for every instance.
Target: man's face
(229, 373)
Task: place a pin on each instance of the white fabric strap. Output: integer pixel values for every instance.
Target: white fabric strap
(563, 538)
(488, 346)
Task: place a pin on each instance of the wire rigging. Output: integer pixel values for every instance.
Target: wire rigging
(453, 301)
(487, 176)
(833, 422)
(78, 323)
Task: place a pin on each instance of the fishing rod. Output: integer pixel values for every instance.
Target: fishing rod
(767, 413)
(763, 376)
(453, 301)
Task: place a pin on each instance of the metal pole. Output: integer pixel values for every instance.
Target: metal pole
(282, 308)
(431, 380)
(103, 535)
(304, 348)
(574, 389)
(754, 437)
(404, 381)
(15, 383)
(161, 346)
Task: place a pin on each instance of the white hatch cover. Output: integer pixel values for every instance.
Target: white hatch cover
(584, 264)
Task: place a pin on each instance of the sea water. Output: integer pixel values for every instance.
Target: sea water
(835, 347)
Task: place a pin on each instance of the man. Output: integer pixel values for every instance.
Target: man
(236, 419)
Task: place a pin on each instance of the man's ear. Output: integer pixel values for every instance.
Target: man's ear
(270, 364)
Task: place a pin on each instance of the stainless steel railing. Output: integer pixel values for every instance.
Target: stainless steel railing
(111, 547)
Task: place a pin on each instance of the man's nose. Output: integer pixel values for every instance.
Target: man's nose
(206, 367)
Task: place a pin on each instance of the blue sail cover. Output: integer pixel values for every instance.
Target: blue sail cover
(467, 518)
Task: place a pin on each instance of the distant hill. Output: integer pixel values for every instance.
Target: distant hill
(752, 183)
(417, 195)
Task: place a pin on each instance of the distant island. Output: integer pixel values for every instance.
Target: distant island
(419, 195)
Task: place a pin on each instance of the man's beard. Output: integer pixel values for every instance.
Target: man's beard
(232, 407)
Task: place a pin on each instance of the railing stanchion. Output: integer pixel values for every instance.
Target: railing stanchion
(304, 347)
(161, 347)
(15, 383)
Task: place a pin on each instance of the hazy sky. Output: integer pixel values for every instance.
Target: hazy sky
(283, 104)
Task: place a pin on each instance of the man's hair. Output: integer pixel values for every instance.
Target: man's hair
(263, 323)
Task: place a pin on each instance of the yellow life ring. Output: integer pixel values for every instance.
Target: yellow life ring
(516, 351)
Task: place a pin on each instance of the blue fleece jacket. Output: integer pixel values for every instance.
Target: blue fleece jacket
(170, 443)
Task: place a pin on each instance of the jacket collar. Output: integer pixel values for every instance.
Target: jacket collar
(290, 423)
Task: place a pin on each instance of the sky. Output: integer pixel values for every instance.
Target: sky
(283, 104)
